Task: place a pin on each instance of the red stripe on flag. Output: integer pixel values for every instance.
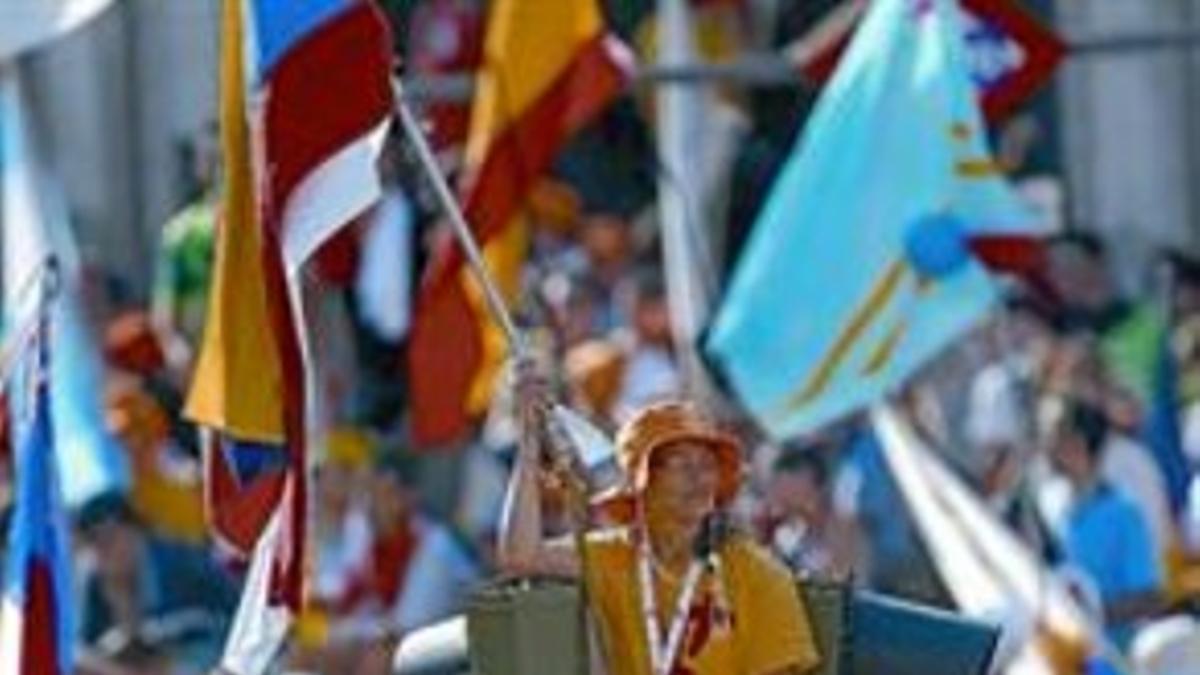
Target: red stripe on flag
(338, 259)
(39, 641)
(288, 582)
(238, 511)
(330, 89)
(445, 350)
(1023, 256)
(1011, 253)
(445, 353)
(1043, 51)
(525, 150)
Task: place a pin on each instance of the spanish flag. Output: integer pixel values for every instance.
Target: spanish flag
(548, 69)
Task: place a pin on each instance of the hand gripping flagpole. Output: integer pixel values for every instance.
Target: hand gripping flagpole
(562, 459)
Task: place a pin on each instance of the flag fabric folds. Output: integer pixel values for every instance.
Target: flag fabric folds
(1032, 50)
(306, 101)
(243, 482)
(548, 69)
(36, 616)
(860, 266)
(36, 228)
(990, 573)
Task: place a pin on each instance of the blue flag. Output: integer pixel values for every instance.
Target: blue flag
(860, 268)
(36, 616)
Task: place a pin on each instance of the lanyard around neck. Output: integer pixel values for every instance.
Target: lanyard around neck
(664, 653)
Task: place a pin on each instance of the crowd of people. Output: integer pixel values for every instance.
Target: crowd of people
(1074, 412)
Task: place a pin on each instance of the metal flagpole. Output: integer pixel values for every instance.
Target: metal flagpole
(562, 461)
(458, 222)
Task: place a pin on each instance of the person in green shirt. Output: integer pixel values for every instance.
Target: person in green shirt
(184, 269)
(1130, 334)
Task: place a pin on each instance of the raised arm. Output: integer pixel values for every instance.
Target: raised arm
(523, 548)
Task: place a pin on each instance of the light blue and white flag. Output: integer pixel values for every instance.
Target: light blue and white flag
(36, 229)
(860, 267)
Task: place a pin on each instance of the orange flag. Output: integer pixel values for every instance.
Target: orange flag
(548, 69)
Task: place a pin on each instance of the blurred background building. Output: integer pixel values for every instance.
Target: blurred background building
(128, 103)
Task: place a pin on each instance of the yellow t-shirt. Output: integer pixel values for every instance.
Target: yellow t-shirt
(767, 627)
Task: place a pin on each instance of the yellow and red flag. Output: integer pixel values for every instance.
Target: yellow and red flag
(549, 67)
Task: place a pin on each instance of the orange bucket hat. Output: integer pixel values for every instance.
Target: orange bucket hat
(655, 427)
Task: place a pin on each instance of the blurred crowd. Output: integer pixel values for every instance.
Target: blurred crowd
(1074, 413)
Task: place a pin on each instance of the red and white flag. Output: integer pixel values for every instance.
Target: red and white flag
(306, 101)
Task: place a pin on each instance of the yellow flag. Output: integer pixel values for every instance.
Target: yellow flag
(237, 385)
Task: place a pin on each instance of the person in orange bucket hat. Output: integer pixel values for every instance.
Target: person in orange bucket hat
(674, 589)
(663, 425)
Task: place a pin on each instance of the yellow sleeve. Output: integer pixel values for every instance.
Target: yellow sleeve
(614, 603)
(606, 561)
(776, 633)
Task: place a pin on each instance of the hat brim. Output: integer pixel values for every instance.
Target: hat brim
(619, 503)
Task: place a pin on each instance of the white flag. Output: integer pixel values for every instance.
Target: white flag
(988, 570)
(260, 626)
(35, 227)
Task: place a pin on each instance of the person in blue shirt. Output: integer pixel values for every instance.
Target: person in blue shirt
(146, 600)
(1102, 533)
(867, 498)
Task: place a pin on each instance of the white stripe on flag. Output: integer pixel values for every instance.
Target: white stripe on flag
(26, 240)
(330, 196)
(11, 624)
(988, 570)
(259, 628)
